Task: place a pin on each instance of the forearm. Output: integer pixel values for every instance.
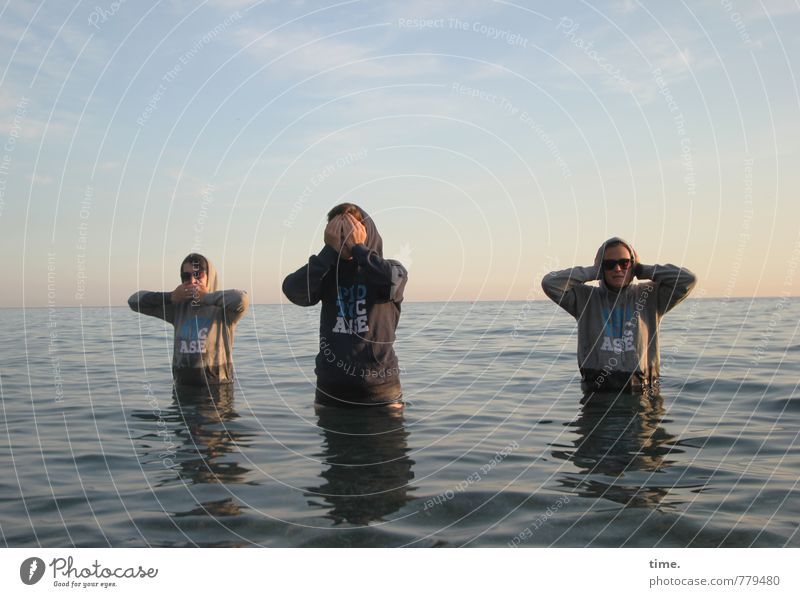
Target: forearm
(556, 284)
(386, 275)
(156, 304)
(674, 282)
(234, 302)
(667, 274)
(378, 269)
(560, 286)
(303, 286)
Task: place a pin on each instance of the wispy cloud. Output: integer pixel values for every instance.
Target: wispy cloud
(40, 180)
(591, 55)
(294, 52)
(775, 8)
(626, 7)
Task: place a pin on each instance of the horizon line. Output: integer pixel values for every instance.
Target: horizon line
(536, 300)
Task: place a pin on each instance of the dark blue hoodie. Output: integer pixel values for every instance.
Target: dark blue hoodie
(361, 298)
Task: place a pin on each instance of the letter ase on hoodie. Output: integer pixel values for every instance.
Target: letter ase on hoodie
(618, 331)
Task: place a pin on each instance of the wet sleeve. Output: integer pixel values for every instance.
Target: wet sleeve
(387, 276)
(234, 302)
(156, 304)
(304, 287)
(560, 286)
(674, 283)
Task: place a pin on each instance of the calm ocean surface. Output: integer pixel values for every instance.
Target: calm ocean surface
(494, 447)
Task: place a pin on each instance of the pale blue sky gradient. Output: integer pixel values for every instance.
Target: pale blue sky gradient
(491, 141)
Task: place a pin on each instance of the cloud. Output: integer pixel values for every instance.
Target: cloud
(440, 8)
(31, 129)
(302, 52)
(678, 52)
(626, 7)
(231, 5)
(775, 8)
(39, 180)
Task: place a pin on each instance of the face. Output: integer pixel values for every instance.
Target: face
(617, 277)
(198, 276)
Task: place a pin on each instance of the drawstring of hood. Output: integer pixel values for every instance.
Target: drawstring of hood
(620, 297)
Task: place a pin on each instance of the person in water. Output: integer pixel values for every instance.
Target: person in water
(618, 321)
(204, 319)
(361, 293)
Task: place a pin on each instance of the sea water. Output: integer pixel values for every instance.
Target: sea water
(494, 447)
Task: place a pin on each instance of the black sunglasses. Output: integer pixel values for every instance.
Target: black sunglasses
(610, 264)
(186, 276)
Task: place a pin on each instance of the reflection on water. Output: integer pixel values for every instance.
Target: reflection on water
(208, 440)
(368, 468)
(127, 464)
(619, 434)
(215, 508)
(195, 441)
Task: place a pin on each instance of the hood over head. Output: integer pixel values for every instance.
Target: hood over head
(203, 263)
(598, 258)
(374, 240)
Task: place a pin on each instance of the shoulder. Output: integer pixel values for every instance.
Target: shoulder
(644, 288)
(588, 291)
(396, 264)
(645, 293)
(585, 295)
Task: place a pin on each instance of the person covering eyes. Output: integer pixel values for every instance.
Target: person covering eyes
(361, 295)
(618, 320)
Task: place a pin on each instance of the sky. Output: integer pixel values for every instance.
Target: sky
(492, 142)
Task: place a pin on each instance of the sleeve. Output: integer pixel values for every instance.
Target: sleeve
(304, 287)
(156, 304)
(234, 302)
(674, 283)
(560, 286)
(388, 276)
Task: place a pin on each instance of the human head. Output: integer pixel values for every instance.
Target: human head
(374, 241)
(198, 266)
(618, 278)
(347, 209)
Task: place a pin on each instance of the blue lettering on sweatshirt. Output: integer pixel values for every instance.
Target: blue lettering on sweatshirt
(192, 335)
(351, 304)
(619, 324)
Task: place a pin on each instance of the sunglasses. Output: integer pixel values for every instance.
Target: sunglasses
(610, 264)
(186, 276)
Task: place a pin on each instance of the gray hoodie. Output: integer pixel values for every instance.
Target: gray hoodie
(618, 344)
(203, 348)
